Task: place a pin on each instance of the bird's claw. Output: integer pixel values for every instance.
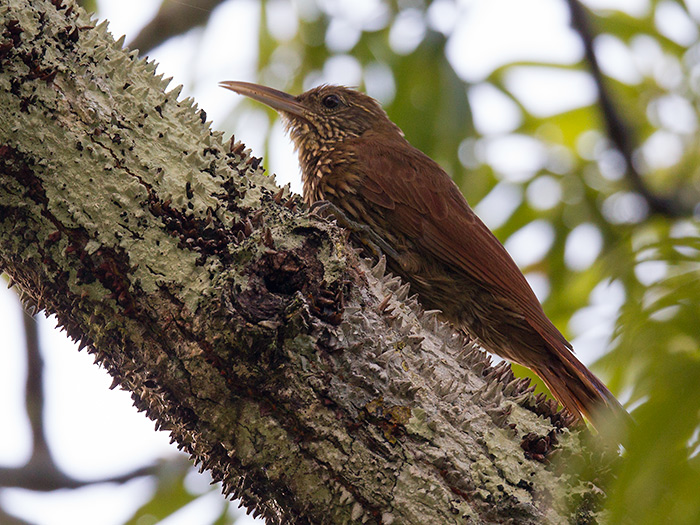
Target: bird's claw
(364, 233)
(318, 207)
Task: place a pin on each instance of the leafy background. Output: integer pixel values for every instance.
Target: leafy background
(585, 164)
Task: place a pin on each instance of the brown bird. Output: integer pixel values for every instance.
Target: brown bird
(353, 156)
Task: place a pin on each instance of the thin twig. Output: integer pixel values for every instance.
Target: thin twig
(44, 478)
(41, 472)
(174, 18)
(34, 393)
(619, 132)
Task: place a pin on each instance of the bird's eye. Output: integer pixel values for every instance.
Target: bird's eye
(331, 101)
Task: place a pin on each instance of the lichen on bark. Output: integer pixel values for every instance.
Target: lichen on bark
(300, 375)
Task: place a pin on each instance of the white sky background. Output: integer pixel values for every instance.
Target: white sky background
(96, 432)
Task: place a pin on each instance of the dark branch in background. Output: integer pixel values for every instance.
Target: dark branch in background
(173, 18)
(34, 395)
(8, 519)
(619, 132)
(41, 472)
(46, 478)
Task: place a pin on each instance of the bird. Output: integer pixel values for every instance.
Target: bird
(355, 158)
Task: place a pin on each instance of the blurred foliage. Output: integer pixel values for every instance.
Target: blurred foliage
(172, 495)
(89, 5)
(651, 263)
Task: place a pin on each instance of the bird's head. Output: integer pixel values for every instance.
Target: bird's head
(323, 117)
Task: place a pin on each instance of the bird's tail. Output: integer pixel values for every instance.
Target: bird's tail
(583, 394)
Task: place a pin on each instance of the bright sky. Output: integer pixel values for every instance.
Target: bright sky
(96, 432)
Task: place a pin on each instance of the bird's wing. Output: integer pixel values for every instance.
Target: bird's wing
(426, 205)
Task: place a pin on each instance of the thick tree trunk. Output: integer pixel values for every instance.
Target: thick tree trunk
(298, 375)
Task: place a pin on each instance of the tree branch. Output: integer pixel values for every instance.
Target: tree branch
(619, 131)
(41, 472)
(173, 18)
(305, 380)
(34, 396)
(46, 478)
(8, 519)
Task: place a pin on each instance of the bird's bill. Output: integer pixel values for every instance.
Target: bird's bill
(277, 100)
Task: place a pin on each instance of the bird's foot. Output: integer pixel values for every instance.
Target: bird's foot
(363, 233)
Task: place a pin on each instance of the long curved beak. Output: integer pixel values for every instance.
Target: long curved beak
(277, 100)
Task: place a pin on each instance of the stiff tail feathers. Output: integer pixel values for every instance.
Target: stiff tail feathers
(583, 394)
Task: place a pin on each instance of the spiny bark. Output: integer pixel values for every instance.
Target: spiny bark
(304, 380)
